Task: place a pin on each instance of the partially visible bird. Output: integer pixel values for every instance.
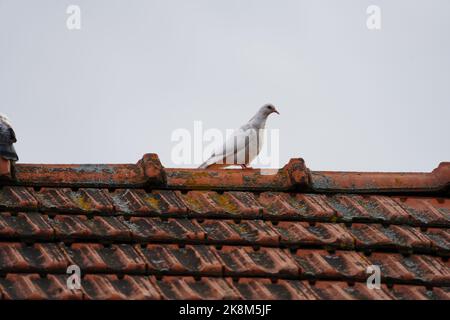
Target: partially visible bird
(7, 138)
(244, 145)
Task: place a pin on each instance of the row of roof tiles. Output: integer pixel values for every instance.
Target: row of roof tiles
(225, 261)
(115, 229)
(34, 286)
(414, 211)
(294, 176)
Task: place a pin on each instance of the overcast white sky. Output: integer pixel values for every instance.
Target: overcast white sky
(350, 98)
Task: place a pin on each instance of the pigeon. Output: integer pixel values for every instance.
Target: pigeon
(7, 138)
(244, 144)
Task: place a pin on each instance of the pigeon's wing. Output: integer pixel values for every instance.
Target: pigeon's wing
(236, 144)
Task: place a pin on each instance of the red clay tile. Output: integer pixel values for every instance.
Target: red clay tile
(67, 200)
(265, 289)
(310, 207)
(25, 225)
(423, 211)
(196, 289)
(242, 204)
(38, 257)
(17, 198)
(293, 176)
(282, 206)
(146, 229)
(336, 265)
(34, 287)
(440, 239)
(172, 259)
(382, 209)
(84, 175)
(111, 287)
(348, 208)
(333, 290)
(153, 170)
(381, 181)
(318, 234)
(254, 232)
(139, 202)
(409, 237)
(116, 258)
(229, 204)
(406, 292)
(78, 227)
(245, 261)
(131, 201)
(441, 204)
(393, 237)
(201, 204)
(92, 200)
(416, 268)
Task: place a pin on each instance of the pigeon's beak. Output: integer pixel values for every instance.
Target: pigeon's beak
(276, 111)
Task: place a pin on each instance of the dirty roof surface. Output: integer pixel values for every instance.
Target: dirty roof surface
(141, 231)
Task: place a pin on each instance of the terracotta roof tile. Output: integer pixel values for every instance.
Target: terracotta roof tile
(36, 287)
(25, 225)
(147, 230)
(116, 258)
(112, 287)
(334, 265)
(315, 234)
(196, 289)
(141, 231)
(415, 268)
(81, 227)
(425, 210)
(38, 257)
(440, 239)
(172, 259)
(67, 200)
(393, 237)
(244, 232)
(17, 198)
(268, 262)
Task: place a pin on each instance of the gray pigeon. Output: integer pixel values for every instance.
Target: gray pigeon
(244, 145)
(7, 138)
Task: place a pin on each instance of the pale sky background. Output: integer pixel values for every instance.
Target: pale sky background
(350, 98)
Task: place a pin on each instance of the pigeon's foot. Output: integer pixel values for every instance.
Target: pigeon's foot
(245, 167)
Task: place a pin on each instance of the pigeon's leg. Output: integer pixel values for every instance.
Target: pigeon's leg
(244, 166)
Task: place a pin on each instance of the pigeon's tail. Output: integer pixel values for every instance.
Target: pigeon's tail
(211, 163)
(208, 162)
(204, 165)
(212, 166)
(8, 152)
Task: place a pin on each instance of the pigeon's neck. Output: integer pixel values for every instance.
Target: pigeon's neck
(258, 121)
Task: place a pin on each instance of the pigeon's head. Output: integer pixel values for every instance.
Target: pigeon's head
(268, 109)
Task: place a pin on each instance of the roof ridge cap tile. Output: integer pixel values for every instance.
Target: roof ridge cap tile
(153, 169)
(294, 176)
(148, 171)
(383, 182)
